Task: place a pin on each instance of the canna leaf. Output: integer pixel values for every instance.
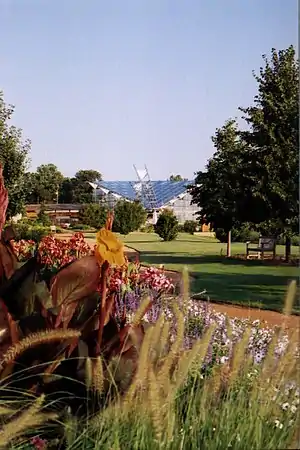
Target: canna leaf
(3, 200)
(72, 284)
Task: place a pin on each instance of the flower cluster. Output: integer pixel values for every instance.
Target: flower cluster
(54, 253)
(199, 316)
(24, 249)
(135, 278)
(130, 277)
(155, 278)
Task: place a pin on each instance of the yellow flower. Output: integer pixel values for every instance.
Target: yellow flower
(109, 248)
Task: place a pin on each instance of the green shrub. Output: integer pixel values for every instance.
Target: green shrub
(243, 234)
(167, 226)
(190, 226)
(180, 228)
(80, 226)
(93, 215)
(128, 217)
(295, 240)
(28, 232)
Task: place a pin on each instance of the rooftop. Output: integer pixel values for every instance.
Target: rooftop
(164, 191)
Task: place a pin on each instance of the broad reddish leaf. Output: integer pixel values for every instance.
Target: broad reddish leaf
(3, 200)
(8, 261)
(74, 283)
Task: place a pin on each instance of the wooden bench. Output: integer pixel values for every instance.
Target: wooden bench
(265, 245)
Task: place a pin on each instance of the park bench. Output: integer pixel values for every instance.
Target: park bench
(265, 245)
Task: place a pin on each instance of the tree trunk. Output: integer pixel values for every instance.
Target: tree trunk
(287, 248)
(229, 244)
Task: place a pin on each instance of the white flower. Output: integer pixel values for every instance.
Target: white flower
(278, 424)
(223, 359)
(293, 409)
(285, 406)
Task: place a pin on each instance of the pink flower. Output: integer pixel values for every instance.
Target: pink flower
(38, 443)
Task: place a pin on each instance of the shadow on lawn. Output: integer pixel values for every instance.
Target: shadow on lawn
(156, 258)
(256, 290)
(262, 290)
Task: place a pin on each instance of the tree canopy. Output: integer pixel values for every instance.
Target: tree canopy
(177, 178)
(253, 174)
(14, 159)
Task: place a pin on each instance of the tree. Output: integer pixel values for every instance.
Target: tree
(128, 216)
(46, 183)
(177, 178)
(93, 215)
(253, 176)
(82, 190)
(273, 138)
(167, 225)
(14, 159)
(219, 191)
(66, 192)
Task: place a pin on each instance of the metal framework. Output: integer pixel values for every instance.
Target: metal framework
(144, 188)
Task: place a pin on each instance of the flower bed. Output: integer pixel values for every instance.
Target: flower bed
(130, 283)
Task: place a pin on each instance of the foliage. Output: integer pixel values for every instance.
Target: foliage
(27, 231)
(273, 140)
(218, 190)
(167, 225)
(57, 307)
(78, 188)
(242, 234)
(93, 215)
(244, 181)
(14, 159)
(179, 385)
(190, 226)
(128, 216)
(177, 178)
(80, 227)
(45, 184)
(295, 240)
(79, 336)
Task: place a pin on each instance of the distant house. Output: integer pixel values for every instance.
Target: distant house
(59, 213)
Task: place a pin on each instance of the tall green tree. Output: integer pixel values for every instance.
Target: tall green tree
(66, 192)
(47, 182)
(273, 137)
(14, 159)
(82, 190)
(218, 190)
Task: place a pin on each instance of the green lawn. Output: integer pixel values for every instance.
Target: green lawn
(252, 283)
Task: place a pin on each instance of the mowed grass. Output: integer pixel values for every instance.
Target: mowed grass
(247, 283)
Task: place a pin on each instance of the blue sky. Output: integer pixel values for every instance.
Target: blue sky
(108, 84)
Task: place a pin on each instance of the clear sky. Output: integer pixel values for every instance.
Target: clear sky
(108, 84)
